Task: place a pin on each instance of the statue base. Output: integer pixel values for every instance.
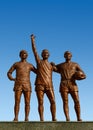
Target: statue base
(46, 125)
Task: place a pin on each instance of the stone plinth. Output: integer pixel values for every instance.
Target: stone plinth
(33, 125)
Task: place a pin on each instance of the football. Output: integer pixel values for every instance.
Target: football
(79, 75)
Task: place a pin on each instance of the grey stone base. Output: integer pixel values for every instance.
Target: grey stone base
(46, 125)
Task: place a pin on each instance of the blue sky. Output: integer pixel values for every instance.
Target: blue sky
(58, 25)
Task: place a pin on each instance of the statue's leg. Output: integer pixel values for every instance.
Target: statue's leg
(17, 104)
(40, 96)
(64, 95)
(75, 97)
(27, 96)
(50, 95)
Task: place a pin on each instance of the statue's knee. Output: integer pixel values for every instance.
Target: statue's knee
(52, 101)
(17, 103)
(77, 104)
(41, 102)
(27, 104)
(65, 101)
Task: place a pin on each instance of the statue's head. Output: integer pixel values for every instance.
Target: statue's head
(67, 54)
(45, 54)
(23, 54)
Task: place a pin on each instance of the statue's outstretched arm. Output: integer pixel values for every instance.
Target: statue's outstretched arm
(34, 48)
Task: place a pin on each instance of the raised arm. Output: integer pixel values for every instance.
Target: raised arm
(34, 48)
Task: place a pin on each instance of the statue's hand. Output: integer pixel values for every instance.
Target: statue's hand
(53, 64)
(32, 36)
(13, 79)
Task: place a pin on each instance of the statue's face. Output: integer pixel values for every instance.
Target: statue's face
(45, 55)
(23, 55)
(68, 56)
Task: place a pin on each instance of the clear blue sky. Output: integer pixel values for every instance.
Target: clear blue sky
(59, 25)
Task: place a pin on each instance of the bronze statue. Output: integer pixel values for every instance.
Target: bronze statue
(70, 72)
(22, 83)
(44, 81)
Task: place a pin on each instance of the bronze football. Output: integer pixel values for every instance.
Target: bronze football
(79, 75)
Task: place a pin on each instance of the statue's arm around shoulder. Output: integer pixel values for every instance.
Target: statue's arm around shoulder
(55, 69)
(33, 69)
